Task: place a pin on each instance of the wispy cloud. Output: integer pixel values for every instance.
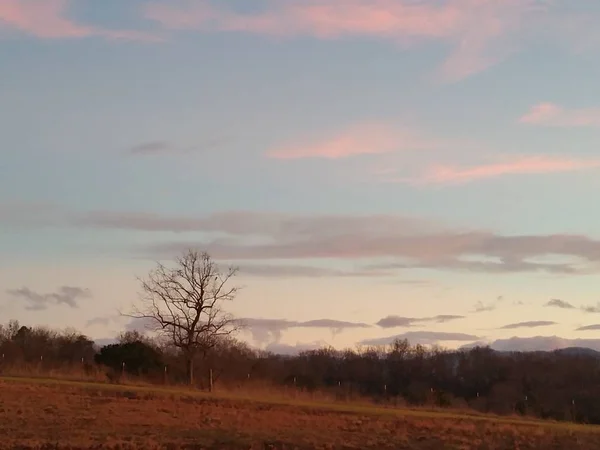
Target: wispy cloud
(557, 303)
(279, 348)
(530, 324)
(490, 306)
(338, 18)
(49, 19)
(553, 115)
(359, 139)
(398, 242)
(422, 337)
(140, 325)
(166, 148)
(65, 295)
(150, 148)
(476, 30)
(298, 271)
(398, 321)
(269, 330)
(589, 328)
(527, 165)
(398, 153)
(101, 321)
(591, 308)
(484, 307)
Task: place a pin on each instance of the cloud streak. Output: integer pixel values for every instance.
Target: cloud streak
(359, 139)
(65, 295)
(101, 321)
(299, 271)
(484, 307)
(270, 330)
(594, 309)
(529, 165)
(476, 30)
(557, 303)
(398, 321)
(590, 309)
(397, 242)
(421, 337)
(553, 115)
(529, 324)
(407, 156)
(153, 148)
(49, 19)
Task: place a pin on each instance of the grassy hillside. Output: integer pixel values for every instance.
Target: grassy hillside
(39, 413)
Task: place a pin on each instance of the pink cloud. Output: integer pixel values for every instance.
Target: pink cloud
(469, 25)
(522, 166)
(360, 139)
(48, 19)
(328, 20)
(550, 114)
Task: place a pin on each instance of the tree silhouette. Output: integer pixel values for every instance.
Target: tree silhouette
(185, 304)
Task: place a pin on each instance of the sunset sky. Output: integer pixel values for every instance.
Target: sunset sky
(425, 169)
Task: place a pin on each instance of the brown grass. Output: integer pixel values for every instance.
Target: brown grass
(81, 415)
(75, 372)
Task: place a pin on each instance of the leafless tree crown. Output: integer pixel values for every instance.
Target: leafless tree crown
(184, 303)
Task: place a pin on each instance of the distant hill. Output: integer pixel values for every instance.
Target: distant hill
(576, 351)
(569, 351)
(540, 344)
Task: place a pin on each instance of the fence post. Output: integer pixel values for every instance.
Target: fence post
(210, 380)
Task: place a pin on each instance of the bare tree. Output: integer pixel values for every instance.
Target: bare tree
(184, 304)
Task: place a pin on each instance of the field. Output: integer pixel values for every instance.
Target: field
(53, 414)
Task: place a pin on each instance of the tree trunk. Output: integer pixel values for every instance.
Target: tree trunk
(190, 370)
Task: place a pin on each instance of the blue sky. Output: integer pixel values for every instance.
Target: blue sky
(400, 158)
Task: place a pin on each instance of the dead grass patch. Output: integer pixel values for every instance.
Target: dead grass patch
(83, 415)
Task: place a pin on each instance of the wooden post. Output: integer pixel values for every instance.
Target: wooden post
(210, 380)
(165, 376)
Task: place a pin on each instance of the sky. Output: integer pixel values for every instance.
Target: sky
(421, 169)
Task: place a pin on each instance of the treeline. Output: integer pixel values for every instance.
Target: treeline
(553, 385)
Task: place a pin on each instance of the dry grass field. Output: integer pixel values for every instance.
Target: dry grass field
(60, 414)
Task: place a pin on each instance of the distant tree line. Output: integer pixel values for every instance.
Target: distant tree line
(560, 385)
